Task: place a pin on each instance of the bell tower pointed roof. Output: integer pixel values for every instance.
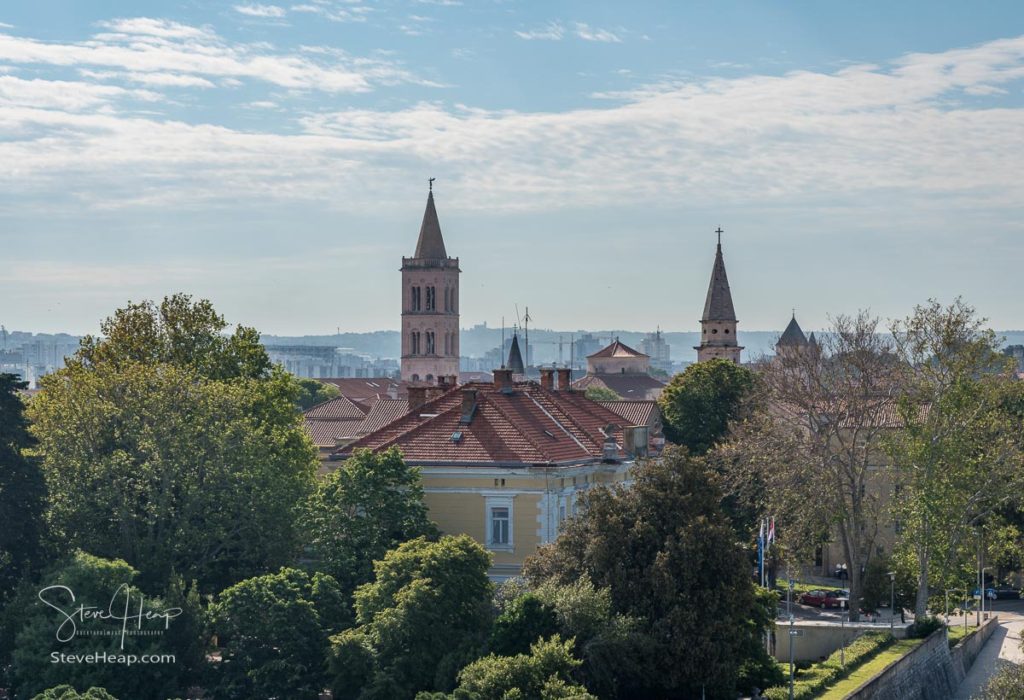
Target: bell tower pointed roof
(515, 356)
(718, 305)
(430, 245)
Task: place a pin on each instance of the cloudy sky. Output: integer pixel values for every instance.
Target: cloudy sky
(274, 157)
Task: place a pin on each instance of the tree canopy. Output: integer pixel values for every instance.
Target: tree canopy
(371, 503)
(425, 616)
(273, 631)
(666, 553)
(189, 447)
(699, 403)
(312, 392)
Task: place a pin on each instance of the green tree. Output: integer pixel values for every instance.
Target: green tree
(189, 446)
(667, 555)
(372, 503)
(273, 632)
(313, 392)
(22, 489)
(425, 616)
(601, 393)
(525, 620)
(958, 452)
(66, 692)
(545, 673)
(176, 332)
(108, 585)
(700, 403)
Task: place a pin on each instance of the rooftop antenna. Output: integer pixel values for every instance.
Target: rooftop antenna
(501, 352)
(526, 336)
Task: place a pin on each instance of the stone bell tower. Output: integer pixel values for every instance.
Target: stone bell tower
(718, 322)
(430, 305)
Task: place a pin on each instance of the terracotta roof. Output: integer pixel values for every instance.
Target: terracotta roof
(793, 335)
(327, 433)
(366, 390)
(627, 386)
(337, 408)
(634, 412)
(475, 376)
(718, 304)
(529, 427)
(617, 349)
(430, 245)
(384, 412)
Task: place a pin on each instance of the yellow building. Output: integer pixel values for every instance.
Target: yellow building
(505, 462)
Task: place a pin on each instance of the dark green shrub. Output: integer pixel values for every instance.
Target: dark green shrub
(924, 626)
(821, 675)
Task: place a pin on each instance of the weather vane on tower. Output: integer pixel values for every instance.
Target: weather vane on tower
(430, 183)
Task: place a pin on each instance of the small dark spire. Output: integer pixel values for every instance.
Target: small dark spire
(793, 335)
(515, 357)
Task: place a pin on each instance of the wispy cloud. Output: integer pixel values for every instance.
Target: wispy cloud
(269, 11)
(176, 54)
(909, 127)
(588, 33)
(552, 31)
(336, 10)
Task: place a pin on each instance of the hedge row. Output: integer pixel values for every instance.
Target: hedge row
(821, 675)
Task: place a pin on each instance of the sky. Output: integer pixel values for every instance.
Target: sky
(273, 157)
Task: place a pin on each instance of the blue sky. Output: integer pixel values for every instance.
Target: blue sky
(273, 157)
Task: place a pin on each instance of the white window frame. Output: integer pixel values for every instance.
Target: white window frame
(490, 503)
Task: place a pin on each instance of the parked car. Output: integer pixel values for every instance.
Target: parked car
(821, 599)
(1005, 592)
(990, 593)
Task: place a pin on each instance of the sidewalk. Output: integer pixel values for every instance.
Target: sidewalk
(1003, 647)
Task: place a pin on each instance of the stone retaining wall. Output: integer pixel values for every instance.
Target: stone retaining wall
(930, 672)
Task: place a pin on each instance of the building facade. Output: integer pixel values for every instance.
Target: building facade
(430, 306)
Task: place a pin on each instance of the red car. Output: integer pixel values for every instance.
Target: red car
(821, 599)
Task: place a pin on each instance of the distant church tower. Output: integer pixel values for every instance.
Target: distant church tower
(430, 305)
(718, 324)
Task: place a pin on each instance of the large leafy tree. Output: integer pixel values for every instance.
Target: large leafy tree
(545, 673)
(313, 392)
(959, 451)
(667, 554)
(700, 403)
(22, 489)
(107, 585)
(192, 454)
(812, 455)
(372, 503)
(273, 631)
(424, 617)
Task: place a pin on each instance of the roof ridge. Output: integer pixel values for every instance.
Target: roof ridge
(504, 414)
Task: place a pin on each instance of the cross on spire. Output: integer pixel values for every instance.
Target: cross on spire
(719, 231)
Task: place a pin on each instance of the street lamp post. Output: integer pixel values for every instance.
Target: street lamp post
(842, 639)
(892, 601)
(792, 633)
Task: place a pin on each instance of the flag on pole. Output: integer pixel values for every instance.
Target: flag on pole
(760, 554)
(771, 534)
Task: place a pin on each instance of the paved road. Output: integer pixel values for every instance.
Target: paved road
(1002, 648)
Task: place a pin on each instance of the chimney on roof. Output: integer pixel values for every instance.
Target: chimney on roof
(468, 406)
(417, 397)
(442, 381)
(434, 392)
(634, 441)
(547, 378)
(503, 380)
(610, 449)
(392, 391)
(564, 379)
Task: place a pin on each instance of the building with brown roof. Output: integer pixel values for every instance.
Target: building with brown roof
(505, 461)
(623, 370)
(333, 423)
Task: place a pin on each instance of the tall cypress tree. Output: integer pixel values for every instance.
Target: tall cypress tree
(22, 488)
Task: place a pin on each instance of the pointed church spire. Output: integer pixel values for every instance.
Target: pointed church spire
(718, 305)
(793, 335)
(430, 244)
(515, 357)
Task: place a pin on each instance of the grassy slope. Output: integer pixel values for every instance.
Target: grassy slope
(869, 669)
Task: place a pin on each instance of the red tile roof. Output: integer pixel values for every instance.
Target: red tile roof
(366, 390)
(635, 412)
(337, 408)
(333, 420)
(384, 412)
(530, 426)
